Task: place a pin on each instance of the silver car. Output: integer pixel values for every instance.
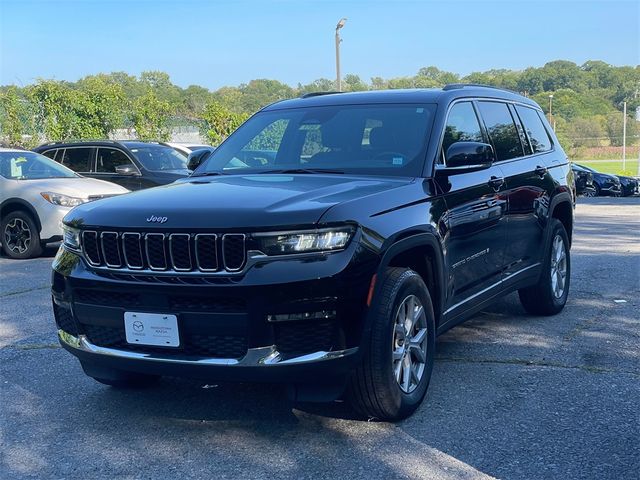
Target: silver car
(35, 193)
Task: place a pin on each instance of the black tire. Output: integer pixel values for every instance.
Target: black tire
(118, 378)
(373, 390)
(597, 190)
(27, 244)
(540, 299)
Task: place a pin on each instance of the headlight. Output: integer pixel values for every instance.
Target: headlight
(62, 200)
(71, 237)
(324, 240)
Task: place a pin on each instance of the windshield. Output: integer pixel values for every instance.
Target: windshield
(159, 157)
(361, 139)
(31, 166)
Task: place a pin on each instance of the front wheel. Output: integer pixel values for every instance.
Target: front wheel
(20, 237)
(394, 374)
(550, 294)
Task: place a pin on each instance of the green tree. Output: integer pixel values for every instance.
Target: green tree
(585, 132)
(220, 122)
(16, 121)
(613, 128)
(150, 117)
(353, 83)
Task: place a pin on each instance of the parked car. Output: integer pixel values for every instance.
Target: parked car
(603, 184)
(185, 148)
(629, 185)
(361, 226)
(35, 193)
(584, 181)
(132, 164)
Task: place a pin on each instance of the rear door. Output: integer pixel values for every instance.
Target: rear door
(476, 208)
(78, 159)
(528, 184)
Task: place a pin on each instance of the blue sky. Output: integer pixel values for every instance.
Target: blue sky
(216, 43)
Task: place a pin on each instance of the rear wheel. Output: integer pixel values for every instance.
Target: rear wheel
(20, 237)
(596, 190)
(549, 295)
(394, 374)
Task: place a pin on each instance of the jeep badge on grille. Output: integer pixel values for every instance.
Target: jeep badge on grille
(154, 219)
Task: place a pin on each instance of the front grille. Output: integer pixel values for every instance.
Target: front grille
(211, 346)
(299, 338)
(64, 319)
(233, 251)
(179, 252)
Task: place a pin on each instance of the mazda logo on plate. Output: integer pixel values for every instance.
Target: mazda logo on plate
(155, 219)
(138, 326)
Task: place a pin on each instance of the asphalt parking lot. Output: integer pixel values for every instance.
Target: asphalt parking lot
(512, 396)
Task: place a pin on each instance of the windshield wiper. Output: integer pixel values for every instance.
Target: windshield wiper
(304, 170)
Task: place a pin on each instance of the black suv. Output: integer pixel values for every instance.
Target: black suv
(324, 245)
(132, 164)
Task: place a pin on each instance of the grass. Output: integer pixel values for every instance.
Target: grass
(612, 166)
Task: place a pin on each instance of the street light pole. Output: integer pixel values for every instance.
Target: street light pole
(338, 40)
(550, 105)
(624, 136)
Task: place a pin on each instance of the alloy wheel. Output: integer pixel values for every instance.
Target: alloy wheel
(17, 235)
(558, 266)
(409, 344)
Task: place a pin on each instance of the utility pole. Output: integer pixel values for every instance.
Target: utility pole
(338, 40)
(550, 113)
(624, 135)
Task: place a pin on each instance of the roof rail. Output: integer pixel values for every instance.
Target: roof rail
(455, 86)
(317, 94)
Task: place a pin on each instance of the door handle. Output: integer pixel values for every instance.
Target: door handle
(496, 182)
(541, 171)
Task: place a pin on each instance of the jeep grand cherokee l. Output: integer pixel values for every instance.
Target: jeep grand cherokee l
(324, 245)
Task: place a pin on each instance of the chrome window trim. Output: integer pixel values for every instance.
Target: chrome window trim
(124, 250)
(173, 263)
(104, 257)
(215, 251)
(244, 249)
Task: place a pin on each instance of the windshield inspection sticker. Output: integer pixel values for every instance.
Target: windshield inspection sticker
(397, 160)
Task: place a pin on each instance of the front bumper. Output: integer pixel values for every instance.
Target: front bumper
(264, 364)
(50, 219)
(614, 189)
(225, 330)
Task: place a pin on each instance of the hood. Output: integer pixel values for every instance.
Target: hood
(231, 202)
(80, 187)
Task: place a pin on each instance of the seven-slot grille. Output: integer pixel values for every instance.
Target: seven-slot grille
(179, 252)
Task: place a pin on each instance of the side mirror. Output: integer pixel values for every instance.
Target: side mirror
(196, 158)
(126, 170)
(465, 157)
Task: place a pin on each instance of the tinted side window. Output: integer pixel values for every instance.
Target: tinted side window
(462, 126)
(110, 158)
(50, 153)
(501, 129)
(538, 136)
(77, 159)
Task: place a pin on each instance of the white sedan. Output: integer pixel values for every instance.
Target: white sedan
(35, 193)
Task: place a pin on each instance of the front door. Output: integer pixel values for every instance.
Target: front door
(476, 209)
(113, 165)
